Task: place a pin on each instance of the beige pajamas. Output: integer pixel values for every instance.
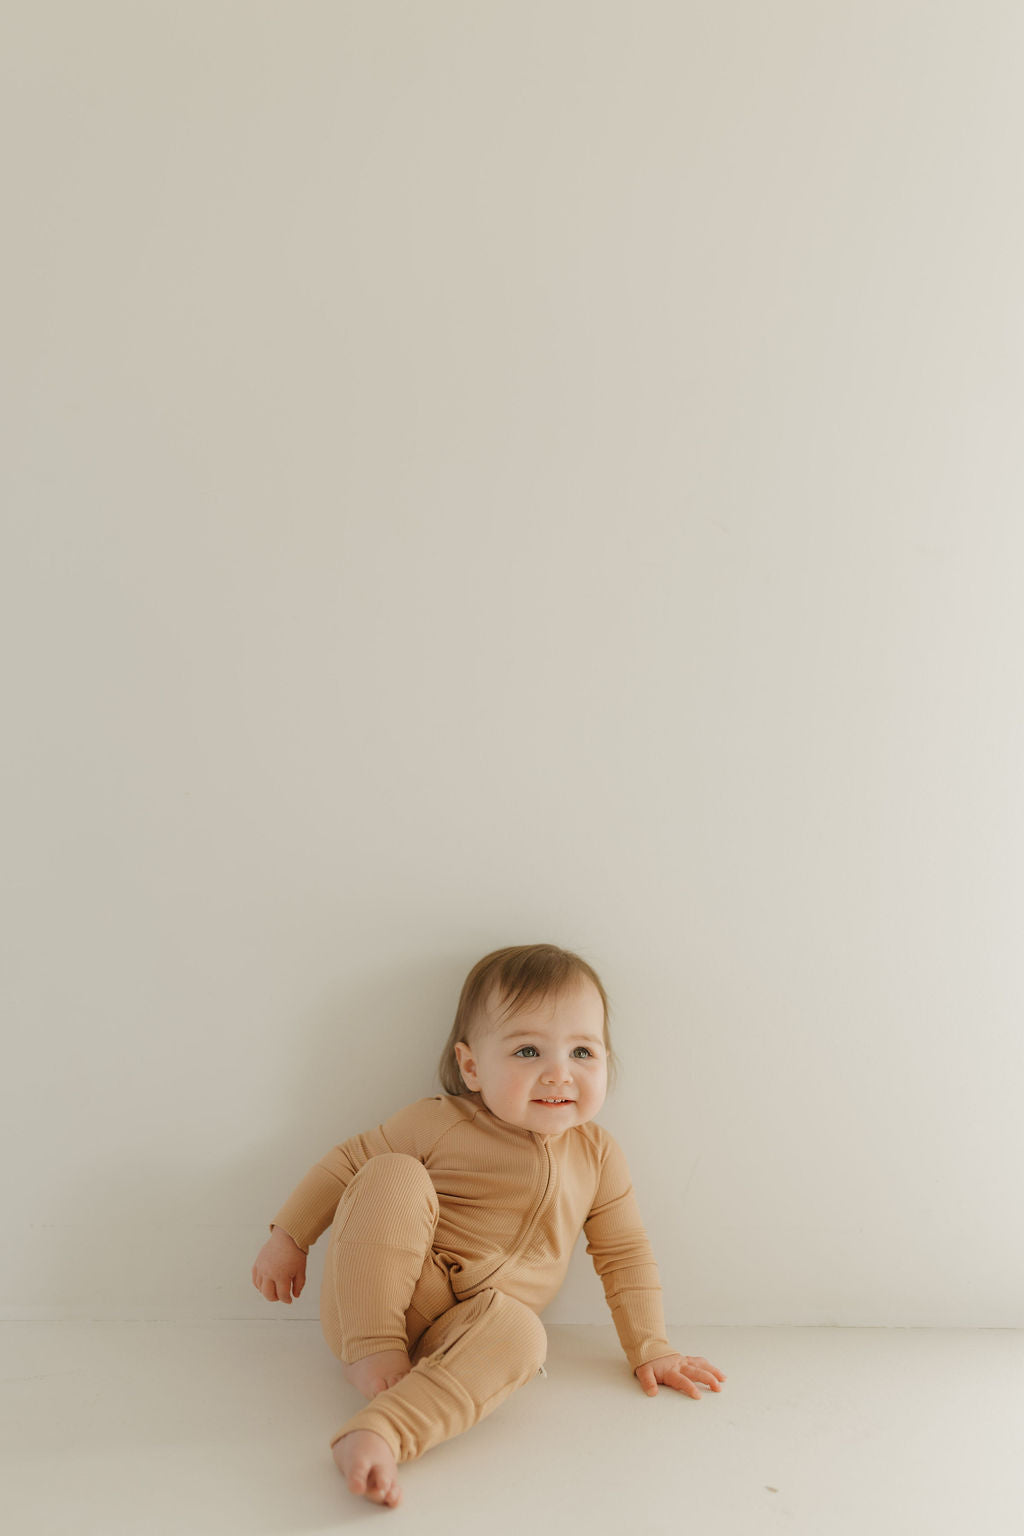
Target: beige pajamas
(450, 1230)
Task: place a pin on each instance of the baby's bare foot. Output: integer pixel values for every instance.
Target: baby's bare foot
(375, 1373)
(369, 1466)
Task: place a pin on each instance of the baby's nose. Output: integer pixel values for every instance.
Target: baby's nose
(557, 1074)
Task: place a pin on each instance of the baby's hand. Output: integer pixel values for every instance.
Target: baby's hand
(280, 1267)
(677, 1371)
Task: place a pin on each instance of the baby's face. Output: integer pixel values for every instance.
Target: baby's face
(552, 1050)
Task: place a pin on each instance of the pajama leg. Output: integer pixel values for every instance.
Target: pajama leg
(466, 1363)
(383, 1285)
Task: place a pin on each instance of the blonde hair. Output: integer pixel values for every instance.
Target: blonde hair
(522, 973)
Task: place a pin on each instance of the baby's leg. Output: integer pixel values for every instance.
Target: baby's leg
(382, 1287)
(381, 1279)
(467, 1363)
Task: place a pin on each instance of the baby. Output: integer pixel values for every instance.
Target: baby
(453, 1223)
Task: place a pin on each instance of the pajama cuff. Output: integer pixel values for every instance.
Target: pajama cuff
(649, 1349)
(378, 1424)
(359, 1348)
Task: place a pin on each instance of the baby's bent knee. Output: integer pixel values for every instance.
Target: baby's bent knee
(391, 1182)
(396, 1169)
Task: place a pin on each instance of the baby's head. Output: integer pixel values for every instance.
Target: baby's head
(532, 1024)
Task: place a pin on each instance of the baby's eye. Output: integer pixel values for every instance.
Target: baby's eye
(585, 1049)
(523, 1048)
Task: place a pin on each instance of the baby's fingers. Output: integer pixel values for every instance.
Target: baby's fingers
(645, 1376)
(710, 1376)
(266, 1285)
(694, 1360)
(675, 1378)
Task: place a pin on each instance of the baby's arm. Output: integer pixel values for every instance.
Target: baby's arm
(618, 1243)
(280, 1267)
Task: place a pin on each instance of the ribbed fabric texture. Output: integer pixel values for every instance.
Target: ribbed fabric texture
(381, 1239)
(476, 1356)
(383, 1289)
(510, 1206)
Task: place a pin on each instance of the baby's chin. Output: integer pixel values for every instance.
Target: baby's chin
(538, 1116)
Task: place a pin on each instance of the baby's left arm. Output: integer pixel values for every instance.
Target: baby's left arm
(679, 1371)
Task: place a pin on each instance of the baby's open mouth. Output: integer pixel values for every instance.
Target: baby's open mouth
(554, 1101)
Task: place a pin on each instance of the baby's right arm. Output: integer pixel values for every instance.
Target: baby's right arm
(280, 1267)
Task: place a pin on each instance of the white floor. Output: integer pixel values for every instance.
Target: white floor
(222, 1427)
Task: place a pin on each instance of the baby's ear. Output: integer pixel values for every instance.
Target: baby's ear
(467, 1066)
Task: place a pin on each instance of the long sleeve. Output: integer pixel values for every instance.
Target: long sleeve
(623, 1258)
(309, 1209)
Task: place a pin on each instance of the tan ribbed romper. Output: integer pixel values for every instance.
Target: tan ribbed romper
(450, 1231)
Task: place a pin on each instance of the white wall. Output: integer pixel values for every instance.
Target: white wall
(486, 473)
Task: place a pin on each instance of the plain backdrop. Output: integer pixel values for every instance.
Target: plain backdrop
(491, 473)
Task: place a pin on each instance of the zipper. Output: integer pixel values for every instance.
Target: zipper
(544, 1201)
(531, 1225)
